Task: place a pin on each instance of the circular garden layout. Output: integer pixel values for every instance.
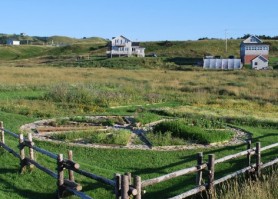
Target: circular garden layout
(126, 132)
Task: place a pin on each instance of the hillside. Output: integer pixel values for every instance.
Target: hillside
(60, 50)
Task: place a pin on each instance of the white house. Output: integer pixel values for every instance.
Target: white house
(252, 48)
(13, 42)
(121, 46)
(260, 62)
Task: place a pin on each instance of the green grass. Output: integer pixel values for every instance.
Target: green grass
(253, 107)
(180, 129)
(164, 139)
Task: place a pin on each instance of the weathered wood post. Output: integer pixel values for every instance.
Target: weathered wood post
(124, 187)
(210, 188)
(129, 177)
(71, 173)
(117, 179)
(60, 179)
(31, 150)
(258, 159)
(248, 154)
(22, 153)
(199, 172)
(2, 132)
(138, 186)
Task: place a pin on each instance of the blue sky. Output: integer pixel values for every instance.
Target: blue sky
(142, 20)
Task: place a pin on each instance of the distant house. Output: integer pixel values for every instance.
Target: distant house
(121, 46)
(260, 62)
(13, 42)
(254, 52)
(211, 62)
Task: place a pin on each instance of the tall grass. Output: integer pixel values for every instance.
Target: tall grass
(264, 188)
(87, 91)
(179, 129)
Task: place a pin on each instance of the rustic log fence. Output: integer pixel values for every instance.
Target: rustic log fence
(126, 185)
(210, 165)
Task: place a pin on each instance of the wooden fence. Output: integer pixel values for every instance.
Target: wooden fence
(123, 185)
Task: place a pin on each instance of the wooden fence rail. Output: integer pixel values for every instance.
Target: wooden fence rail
(211, 182)
(123, 185)
(65, 184)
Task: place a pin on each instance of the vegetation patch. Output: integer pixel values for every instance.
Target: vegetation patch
(180, 129)
(164, 139)
(115, 137)
(144, 116)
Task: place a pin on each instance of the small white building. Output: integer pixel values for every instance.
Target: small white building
(222, 64)
(259, 63)
(121, 46)
(13, 42)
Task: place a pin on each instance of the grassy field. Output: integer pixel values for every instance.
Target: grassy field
(148, 89)
(244, 98)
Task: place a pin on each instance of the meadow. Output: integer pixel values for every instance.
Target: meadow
(245, 98)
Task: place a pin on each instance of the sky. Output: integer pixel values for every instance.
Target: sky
(140, 20)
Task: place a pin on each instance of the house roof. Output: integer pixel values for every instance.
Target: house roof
(257, 44)
(252, 40)
(261, 57)
(135, 43)
(121, 37)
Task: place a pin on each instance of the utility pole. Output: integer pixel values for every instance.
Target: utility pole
(226, 41)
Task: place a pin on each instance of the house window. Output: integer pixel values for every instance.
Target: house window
(256, 63)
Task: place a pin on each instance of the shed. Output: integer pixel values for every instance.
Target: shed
(13, 42)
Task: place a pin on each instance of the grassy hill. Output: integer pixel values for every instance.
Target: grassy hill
(62, 51)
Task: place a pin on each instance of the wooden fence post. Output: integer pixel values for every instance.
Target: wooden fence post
(138, 186)
(71, 173)
(117, 179)
(129, 177)
(211, 176)
(248, 155)
(22, 153)
(31, 151)
(124, 187)
(2, 132)
(200, 172)
(258, 159)
(60, 179)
